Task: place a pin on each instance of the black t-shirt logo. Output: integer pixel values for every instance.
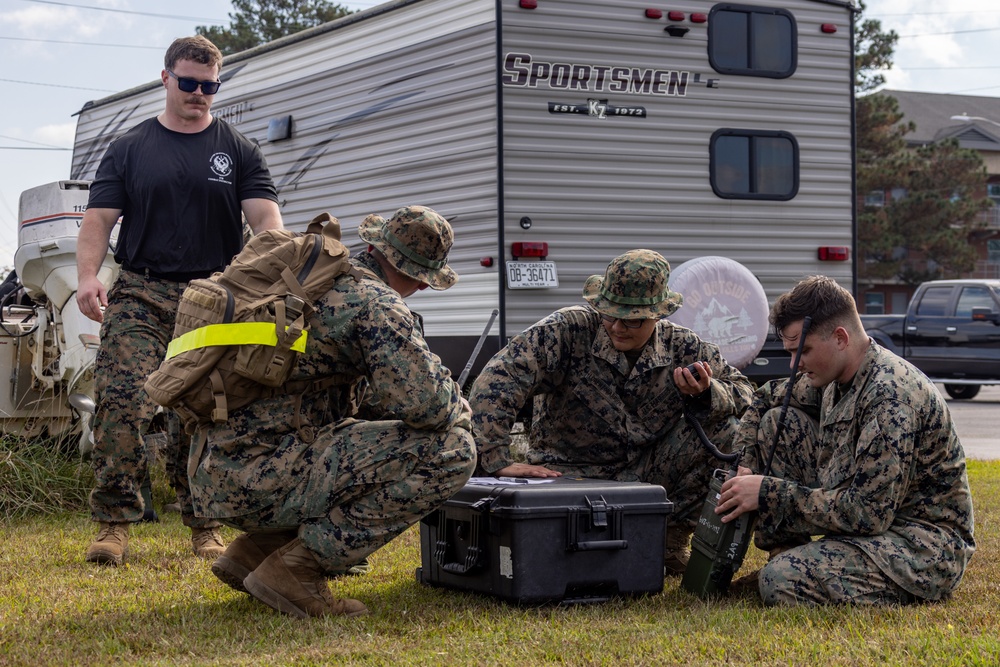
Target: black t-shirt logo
(222, 164)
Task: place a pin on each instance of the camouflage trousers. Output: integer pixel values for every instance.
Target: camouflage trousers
(138, 324)
(823, 571)
(828, 571)
(368, 482)
(678, 462)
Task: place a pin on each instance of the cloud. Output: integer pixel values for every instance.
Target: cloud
(941, 48)
(62, 22)
(61, 135)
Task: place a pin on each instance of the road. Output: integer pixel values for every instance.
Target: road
(978, 422)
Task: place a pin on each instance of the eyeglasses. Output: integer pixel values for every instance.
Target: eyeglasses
(190, 85)
(628, 324)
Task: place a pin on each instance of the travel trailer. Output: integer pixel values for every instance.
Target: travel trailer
(556, 135)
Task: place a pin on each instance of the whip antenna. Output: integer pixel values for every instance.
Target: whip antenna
(475, 352)
(788, 395)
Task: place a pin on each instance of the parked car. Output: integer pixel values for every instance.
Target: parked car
(951, 331)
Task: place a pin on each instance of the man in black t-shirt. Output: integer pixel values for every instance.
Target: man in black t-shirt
(180, 182)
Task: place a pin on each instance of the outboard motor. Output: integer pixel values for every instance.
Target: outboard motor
(47, 346)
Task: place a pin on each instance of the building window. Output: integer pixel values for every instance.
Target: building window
(754, 164)
(752, 41)
(900, 302)
(993, 251)
(993, 192)
(874, 303)
(875, 198)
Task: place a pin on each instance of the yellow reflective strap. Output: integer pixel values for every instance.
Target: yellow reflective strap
(236, 333)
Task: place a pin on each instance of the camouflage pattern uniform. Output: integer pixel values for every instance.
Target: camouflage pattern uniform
(349, 485)
(595, 416)
(138, 325)
(876, 469)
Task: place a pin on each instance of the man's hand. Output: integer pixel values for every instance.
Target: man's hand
(90, 297)
(686, 382)
(526, 470)
(738, 495)
(91, 250)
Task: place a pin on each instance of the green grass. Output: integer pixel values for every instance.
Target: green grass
(165, 607)
(41, 477)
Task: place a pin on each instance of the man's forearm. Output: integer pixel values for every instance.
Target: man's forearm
(91, 248)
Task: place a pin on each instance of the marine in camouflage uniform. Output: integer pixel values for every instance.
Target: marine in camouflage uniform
(319, 497)
(610, 391)
(138, 324)
(868, 459)
(180, 183)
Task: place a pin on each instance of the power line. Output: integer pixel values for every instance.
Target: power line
(953, 32)
(977, 12)
(971, 90)
(56, 85)
(955, 67)
(126, 11)
(29, 141)
(59, 41)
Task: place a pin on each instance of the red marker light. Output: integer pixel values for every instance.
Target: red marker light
(654, 14)
(486, 261)
(698, 17)
(675, 16)
(529, 249)
(833, 253)
(528, 4)
(828, 28)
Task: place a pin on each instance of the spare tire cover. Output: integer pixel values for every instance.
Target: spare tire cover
(724, 303)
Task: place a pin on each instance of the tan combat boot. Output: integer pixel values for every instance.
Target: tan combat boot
(207, 543)
(677, 551)
(246, 553)
(292, 581)
(110, 546)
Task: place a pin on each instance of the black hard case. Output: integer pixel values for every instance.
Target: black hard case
(568, 540)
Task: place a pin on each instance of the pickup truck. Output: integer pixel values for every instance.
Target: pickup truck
(951, 331)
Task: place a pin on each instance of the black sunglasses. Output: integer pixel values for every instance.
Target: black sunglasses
(190, 85)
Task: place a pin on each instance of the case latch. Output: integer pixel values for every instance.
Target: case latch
(598, 512)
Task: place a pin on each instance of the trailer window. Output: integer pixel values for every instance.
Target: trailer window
(754, 164)
(752, 41)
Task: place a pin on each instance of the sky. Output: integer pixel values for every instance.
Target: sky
(57, 55)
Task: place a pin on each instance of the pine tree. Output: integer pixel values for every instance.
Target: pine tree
(922, 233)
(256, 22)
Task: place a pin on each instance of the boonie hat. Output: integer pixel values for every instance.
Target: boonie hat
(633, 287)
(416, 241)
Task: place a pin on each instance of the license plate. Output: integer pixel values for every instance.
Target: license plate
(531, 275)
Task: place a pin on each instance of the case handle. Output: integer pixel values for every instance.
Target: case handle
(443, 548)
(601, 545)
(600, 515)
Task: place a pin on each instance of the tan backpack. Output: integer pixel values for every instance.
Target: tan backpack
(238, 332)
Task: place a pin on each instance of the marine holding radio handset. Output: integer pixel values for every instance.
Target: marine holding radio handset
(867, 499)
(718, 549)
